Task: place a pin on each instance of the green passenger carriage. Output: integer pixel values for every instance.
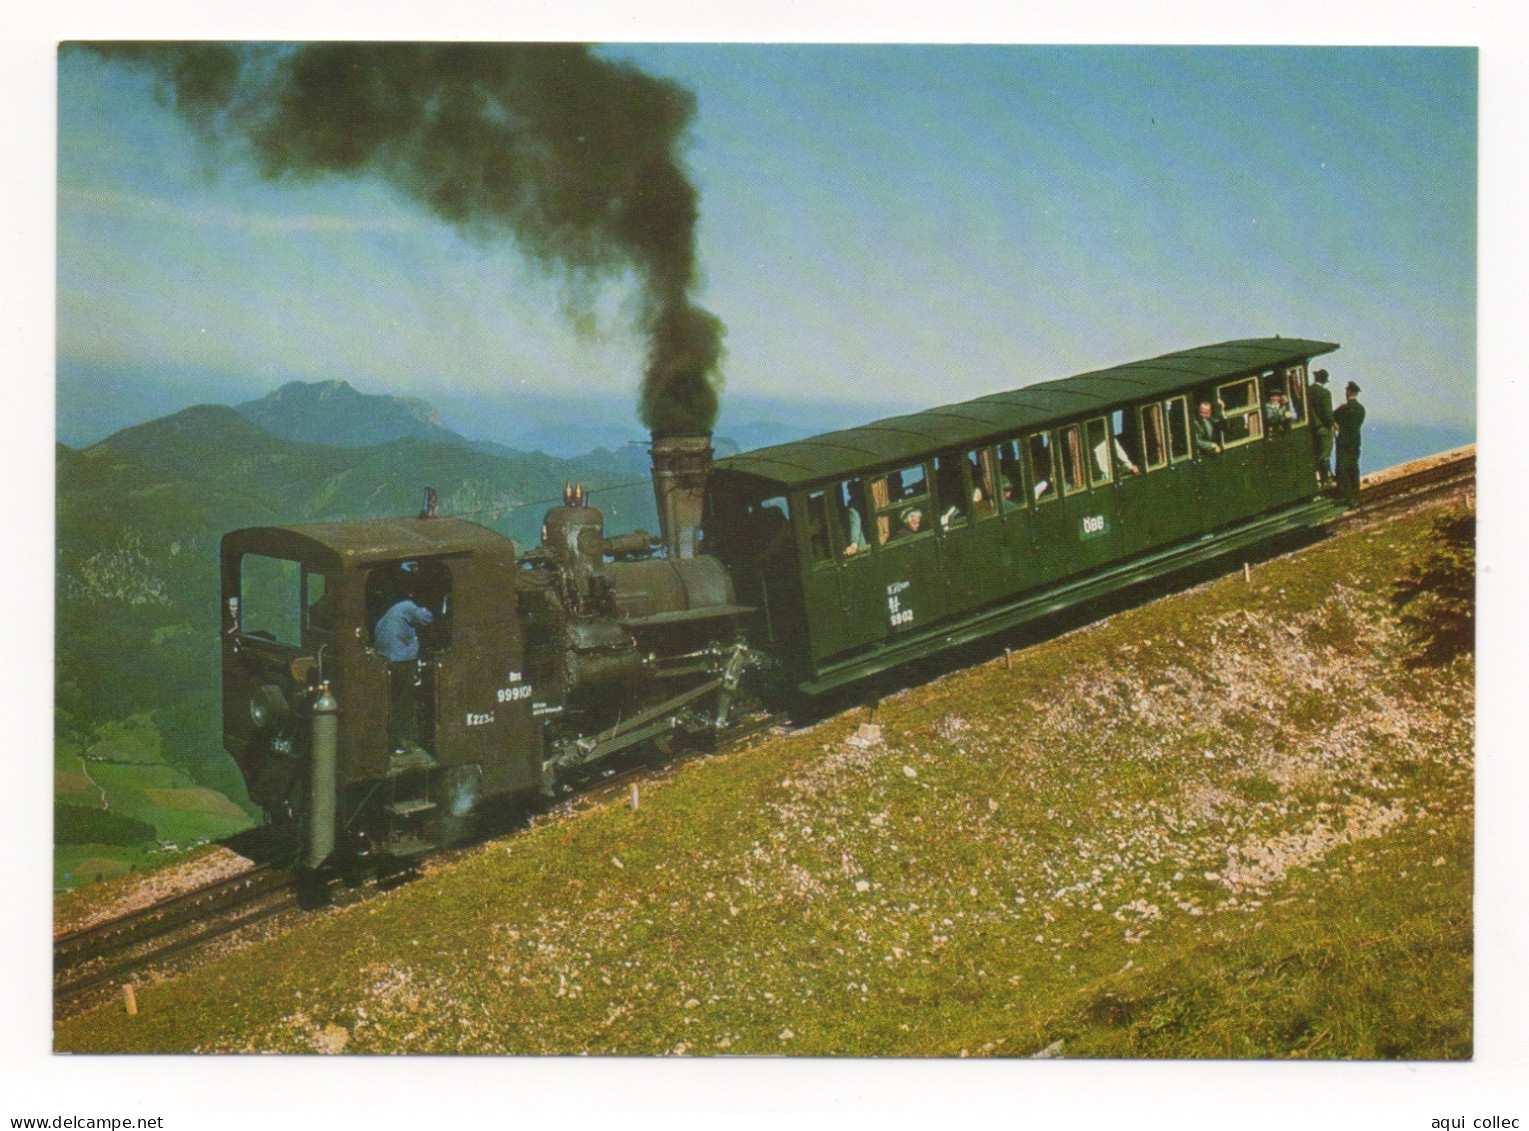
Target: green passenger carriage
(873, 546)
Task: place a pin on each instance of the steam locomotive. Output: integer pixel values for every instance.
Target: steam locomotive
(821, 561)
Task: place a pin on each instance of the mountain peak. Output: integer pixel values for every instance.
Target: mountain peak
(334, 412)
(335, 388)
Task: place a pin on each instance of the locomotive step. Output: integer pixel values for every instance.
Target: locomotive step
(410, 807)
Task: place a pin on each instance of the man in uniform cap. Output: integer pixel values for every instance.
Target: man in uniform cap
(1321, 400)
(1349, 418)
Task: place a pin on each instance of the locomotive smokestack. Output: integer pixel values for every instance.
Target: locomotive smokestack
(680, 468)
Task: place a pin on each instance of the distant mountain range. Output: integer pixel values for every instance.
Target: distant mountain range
(335, 413)
(94, 403)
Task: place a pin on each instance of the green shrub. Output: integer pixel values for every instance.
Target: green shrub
(79, 824)
(1440, 595)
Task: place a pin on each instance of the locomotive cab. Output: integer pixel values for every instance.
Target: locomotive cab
(422, 733)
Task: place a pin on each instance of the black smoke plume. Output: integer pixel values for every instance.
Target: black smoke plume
(574, 157)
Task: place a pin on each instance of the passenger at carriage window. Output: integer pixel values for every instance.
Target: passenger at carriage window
(852, 510)
(1205, 431)
(857, 540)
(1009, 470)
(980, 466)
(1123, 460)
(1042, 467)
(910, 522)
(950, 491)
(1277, 414)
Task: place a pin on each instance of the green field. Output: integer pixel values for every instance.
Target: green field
(1232, 823)
(122, 771)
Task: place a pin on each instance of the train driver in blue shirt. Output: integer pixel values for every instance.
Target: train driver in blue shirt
(396, 637)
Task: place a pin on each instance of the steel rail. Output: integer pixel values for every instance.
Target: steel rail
(101, 939)
(67, 992)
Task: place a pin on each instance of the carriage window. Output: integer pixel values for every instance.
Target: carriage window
(1279, 411)
(902, 504)
(1123, 427)
(271, 599)
(1241, 412)
(1099, 444)
(951, 498)
(1072, 460)
(1295, 384)
(853, 516)
(1010, 474)
(1153, 448)
(817, 527)
(983, 469)
(1292, 383)
(1178, 429)
(1042, 467)
(765, 527)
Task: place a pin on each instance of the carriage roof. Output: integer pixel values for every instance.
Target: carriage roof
(904, 438)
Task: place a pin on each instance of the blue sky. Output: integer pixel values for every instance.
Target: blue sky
(881, 228)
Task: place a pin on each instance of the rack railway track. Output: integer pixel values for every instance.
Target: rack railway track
(1413, 482)
(110, 953)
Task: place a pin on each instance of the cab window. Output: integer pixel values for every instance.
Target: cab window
(743, 526)
(426, 583)
(271, 599)
(318, 602)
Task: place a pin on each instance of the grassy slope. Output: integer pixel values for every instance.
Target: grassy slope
(1226, 824)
